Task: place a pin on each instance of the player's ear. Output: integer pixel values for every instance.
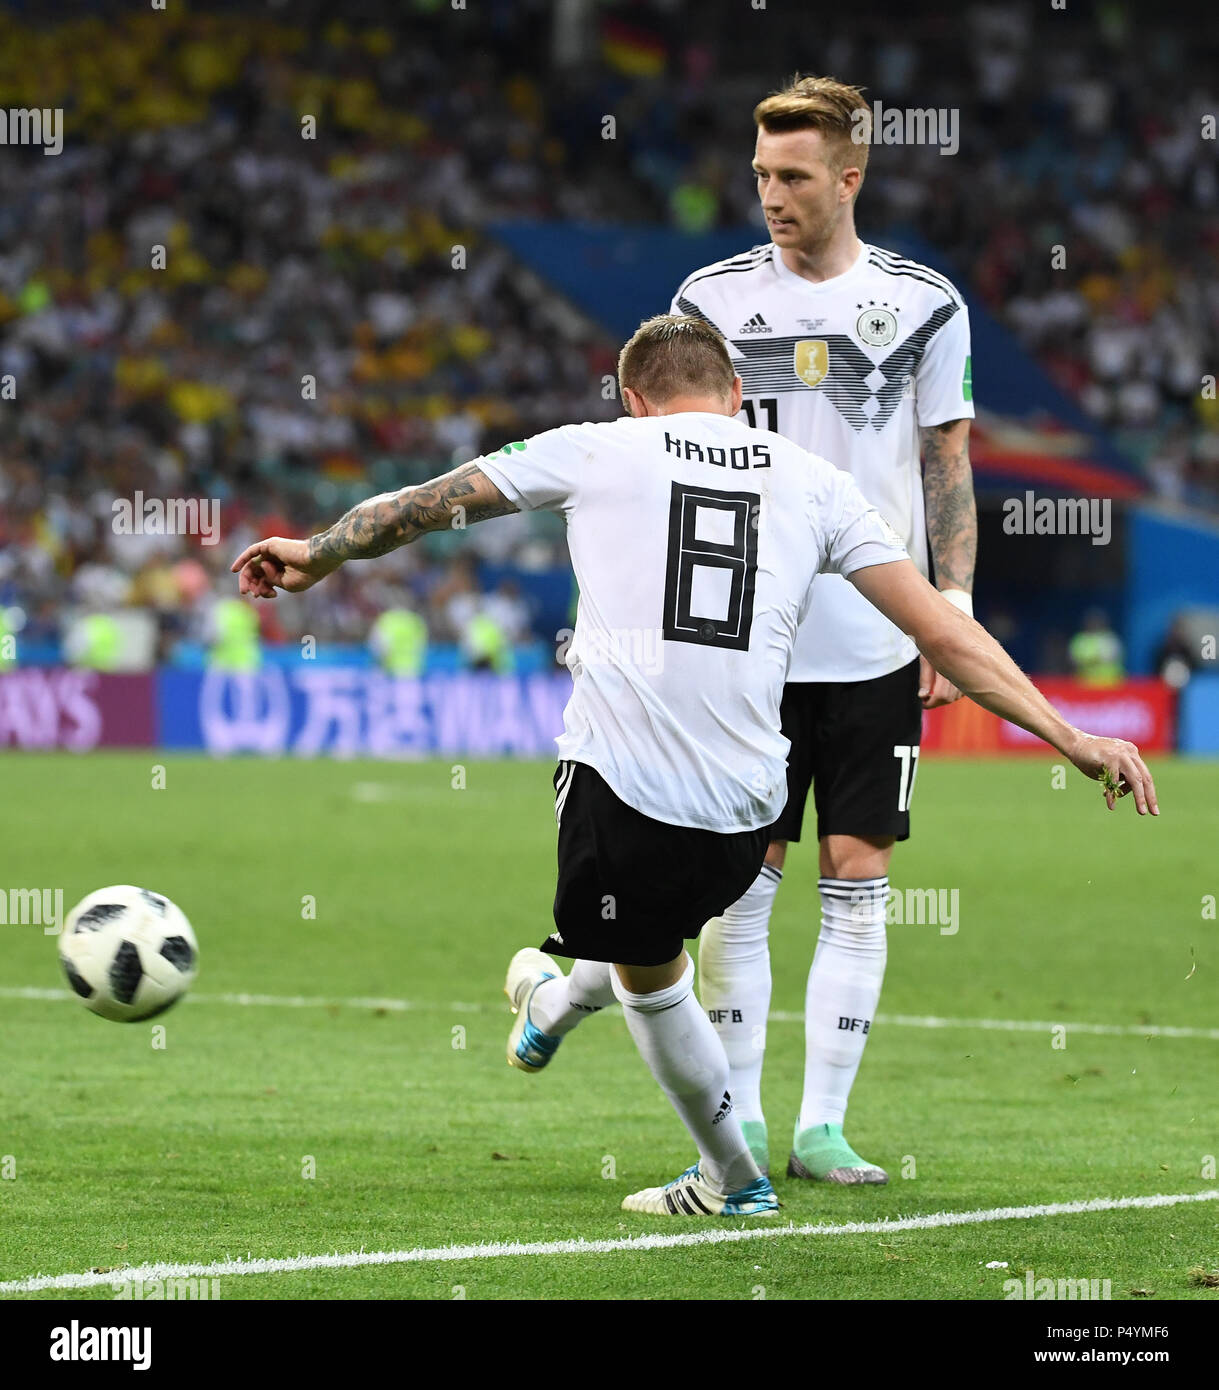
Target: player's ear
(633, 402)
(852, 177)
(735, 398)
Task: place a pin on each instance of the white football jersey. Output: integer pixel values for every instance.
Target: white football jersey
(694, 540)
(849, 369)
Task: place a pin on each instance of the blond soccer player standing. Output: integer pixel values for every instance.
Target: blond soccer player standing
(862, 357)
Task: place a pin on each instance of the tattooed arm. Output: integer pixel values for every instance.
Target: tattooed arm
(383, 523)
(374, 527)
(952, 516)
(952, 528)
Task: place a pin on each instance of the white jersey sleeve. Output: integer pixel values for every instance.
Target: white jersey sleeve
(944, 380)
(542, 472)
(862, 537)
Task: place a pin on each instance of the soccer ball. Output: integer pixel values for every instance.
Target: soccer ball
(128, 953)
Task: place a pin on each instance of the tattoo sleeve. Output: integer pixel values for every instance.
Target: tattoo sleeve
(952, 515)
(392, 519)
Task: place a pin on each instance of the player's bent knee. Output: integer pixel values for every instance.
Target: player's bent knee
(776, 853)
(650, 979)
(856, 856)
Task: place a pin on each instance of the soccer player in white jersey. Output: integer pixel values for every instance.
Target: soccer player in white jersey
(862, 357)
(689, 527)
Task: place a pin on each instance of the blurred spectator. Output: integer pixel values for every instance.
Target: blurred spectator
(94, 642)
(1177, 657)
(485, 644)
(232, 634)
(399, 640)
(508, 610)
(1096, 651)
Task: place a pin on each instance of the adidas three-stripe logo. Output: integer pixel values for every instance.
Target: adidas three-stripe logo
(725, 1109)
(757, 324)
(685, 1199)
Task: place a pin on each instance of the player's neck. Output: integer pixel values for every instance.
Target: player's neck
(684, 405)
(833, 257)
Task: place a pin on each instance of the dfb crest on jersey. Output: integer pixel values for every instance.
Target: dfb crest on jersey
(876, 326)
(812, 363)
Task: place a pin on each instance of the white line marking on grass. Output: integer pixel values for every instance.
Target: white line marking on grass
(499, 1250)
(282, 1001)
(313, 1001)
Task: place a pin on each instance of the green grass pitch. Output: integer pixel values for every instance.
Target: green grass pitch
(419, 1135)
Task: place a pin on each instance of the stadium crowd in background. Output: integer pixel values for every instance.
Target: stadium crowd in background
(308, 333)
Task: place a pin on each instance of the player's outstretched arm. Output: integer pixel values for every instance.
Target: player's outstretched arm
(971, 658)
(373, 527)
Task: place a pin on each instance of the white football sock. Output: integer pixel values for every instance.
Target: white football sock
(843, 991)
(687, 1059)
(558, 1005)
(734, 964)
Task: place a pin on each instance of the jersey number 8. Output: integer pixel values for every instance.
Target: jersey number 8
(713, 542)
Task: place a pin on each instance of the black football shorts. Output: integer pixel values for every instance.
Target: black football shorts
(632, 889)
(856, 743)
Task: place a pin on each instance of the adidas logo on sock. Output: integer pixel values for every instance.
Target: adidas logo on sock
(757, 324)
(725, 1109)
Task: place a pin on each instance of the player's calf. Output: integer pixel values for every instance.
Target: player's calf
(735, 989)
(566, 1000)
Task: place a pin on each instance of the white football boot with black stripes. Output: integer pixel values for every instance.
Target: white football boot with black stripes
(529, 1049)
(690, 1195)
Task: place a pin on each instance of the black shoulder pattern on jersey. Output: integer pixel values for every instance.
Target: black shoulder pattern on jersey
(864, 392)
(898, 265)
(688, 307)
(735, 265)
(905, 263)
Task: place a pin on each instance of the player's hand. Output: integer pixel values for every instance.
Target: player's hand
(933, 689)
(277, 563)
(1117, 765)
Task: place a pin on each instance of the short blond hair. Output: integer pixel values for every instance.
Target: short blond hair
(676, 355)
(837, 110)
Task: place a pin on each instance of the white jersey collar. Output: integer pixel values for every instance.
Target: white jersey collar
(836, 282)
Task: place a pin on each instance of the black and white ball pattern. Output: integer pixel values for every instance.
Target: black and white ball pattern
(128, 953)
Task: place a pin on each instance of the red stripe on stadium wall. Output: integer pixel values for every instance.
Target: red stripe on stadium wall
(1092, 479)
(1141, 710)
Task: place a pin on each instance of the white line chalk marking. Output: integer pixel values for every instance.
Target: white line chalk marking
(399, 1006)
(360, 1258)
